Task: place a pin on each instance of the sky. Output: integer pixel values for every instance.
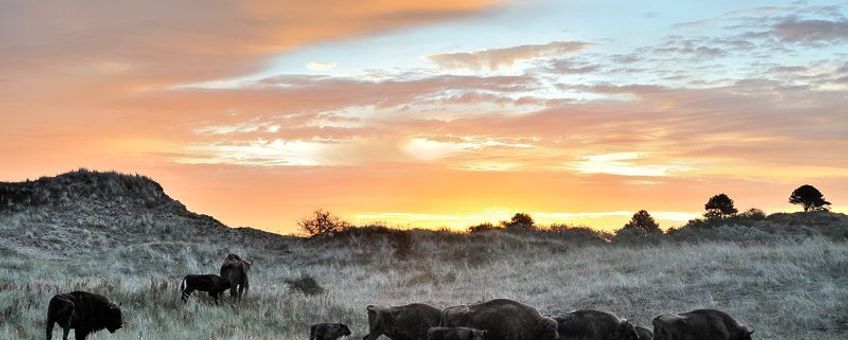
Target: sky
(433, 113)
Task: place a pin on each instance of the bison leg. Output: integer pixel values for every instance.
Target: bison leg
(65, 331)
(80, 334)
(62, 311)
(186, 293)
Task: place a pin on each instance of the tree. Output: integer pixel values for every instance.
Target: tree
(519, 221)
(720, 206)
(321, 223)
(810, 198)
(642, 221)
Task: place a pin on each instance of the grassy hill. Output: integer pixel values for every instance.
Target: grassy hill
(123, 237)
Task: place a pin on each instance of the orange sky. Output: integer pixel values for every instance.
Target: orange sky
(259, 112)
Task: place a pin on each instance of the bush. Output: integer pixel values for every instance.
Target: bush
(306, 284)
(519, 222)
(322, 224)
(482, 227)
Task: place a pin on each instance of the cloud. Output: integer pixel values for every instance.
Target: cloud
(494, 59)
(625, 164)
(796, 30)
(321, 66)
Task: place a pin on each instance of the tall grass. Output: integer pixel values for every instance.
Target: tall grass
(785, 289)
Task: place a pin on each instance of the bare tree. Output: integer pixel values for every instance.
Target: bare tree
(322, 223)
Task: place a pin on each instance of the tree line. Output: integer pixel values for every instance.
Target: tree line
(321, 223)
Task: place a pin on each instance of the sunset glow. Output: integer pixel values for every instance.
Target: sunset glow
(433, 113)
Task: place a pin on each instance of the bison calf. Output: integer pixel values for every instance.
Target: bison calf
(328, 331)
(455, 333)
(84, 312)
(210, 283)
(701, 324)
(594, 325)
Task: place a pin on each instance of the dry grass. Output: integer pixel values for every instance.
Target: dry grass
(786, 289)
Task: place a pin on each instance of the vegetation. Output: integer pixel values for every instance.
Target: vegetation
(809, 197)
(643, 222)
(321, 224)
(719, 207)
(122, 237)
(519, 222)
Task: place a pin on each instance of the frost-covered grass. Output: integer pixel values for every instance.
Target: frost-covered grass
(789, 289)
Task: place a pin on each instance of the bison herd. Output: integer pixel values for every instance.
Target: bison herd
(499, 319)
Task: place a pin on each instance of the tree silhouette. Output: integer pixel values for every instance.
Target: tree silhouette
(519, 221)
(321, 223)
(809, 197)
(642, 221)
(720, 206)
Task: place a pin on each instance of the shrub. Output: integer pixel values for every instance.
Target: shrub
(322, 224)
(482, 227)
(643, 221)
(519, 222)
(306, 284)
(401, 242)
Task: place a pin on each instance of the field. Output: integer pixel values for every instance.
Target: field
(784, 287)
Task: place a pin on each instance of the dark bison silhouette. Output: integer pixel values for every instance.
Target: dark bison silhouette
(83, 312)
(234, 272)
(455, 333)
(210, 283)
(700, 324)
(503, 319)
(644, 333)
(408, 322)
(594, 325)
(328, 331)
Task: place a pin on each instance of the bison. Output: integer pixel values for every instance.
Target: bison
(328, 331)
(84, 312)
(213, 284)
(644, 333)
(408, 322)
(594, 325)
(234, 272)
(700, 324)
(503, 319)
(455, 333)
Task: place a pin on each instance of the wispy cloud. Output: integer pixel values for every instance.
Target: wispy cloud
(497, 58)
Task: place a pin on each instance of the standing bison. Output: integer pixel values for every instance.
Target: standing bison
(234, 272)
(503, 320)
(701, 324)
(594, 325)
(408, 322)
(210, 283)
(84, 312)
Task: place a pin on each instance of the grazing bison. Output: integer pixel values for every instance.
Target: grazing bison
(328, 331)
(408, 322)
(594, 325)
(455, 333)
(210, 283)
(701, 324)
(84, 312)
(503, 319)
(644, 333)
(234, 272)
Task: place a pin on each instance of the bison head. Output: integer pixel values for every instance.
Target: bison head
(479, 334)
(114, 321)
(549, 330)
(626, 331)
